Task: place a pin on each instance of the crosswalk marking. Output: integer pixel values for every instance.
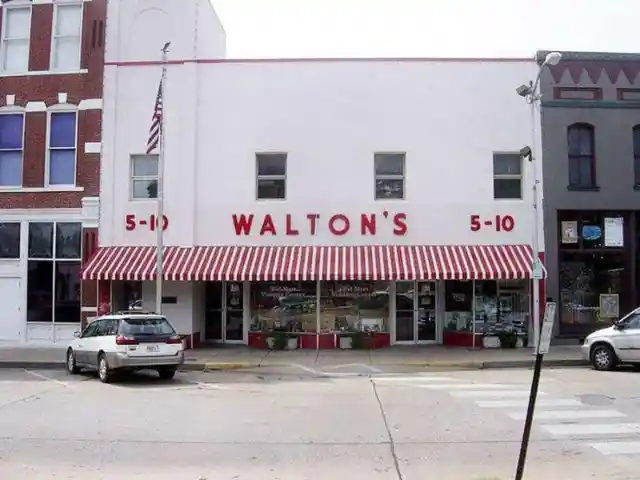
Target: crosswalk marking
(415, 379)
(592, 429)
(495, 393)
(568, 414)
(617, 448)
(467, 386)
(542, 402)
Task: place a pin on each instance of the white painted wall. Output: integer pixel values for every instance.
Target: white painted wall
(330, 116)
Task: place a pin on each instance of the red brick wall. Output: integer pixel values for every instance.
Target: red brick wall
(45, 88)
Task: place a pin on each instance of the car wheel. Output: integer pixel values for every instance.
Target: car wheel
(166, 373)
(603, 357)
(72, 368)
(103, 369)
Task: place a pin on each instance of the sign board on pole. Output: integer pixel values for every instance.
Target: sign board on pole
(537, 273)
(547, 327)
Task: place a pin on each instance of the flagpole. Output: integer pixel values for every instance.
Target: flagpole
(160, 190)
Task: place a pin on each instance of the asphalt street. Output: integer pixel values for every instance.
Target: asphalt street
(302, 424)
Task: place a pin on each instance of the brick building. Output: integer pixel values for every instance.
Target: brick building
(51, 70)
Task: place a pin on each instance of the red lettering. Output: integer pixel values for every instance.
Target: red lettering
(130, 222)
(313, 222)
(475, 223)
(399, 220)
(368, 224)
(345, 226)
(507, 223)
(153, 223)
(290, 230)
(267, 225)
(242, 224)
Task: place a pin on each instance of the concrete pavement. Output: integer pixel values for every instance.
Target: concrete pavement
(375, 361)
(463, 425)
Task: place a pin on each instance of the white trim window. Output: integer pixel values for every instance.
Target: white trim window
(271, 176)
(66, 38)
(14, 43)
(62, 148)
(389, 176)
(507, 176)
(144, 177)
(11, 149)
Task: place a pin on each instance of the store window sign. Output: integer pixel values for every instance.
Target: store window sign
(337, 224)
(614, 232)
(591, 232)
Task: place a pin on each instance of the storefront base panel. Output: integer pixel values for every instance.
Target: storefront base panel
(326, 341)
(462, 339)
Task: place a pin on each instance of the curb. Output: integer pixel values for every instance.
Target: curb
(34, 365)
(215, 366)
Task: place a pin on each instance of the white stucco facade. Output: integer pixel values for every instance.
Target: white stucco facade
(329, 116)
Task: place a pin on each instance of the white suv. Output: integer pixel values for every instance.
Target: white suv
(126, 341)
(620, 343)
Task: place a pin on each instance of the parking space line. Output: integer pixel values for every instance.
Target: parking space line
(49, 379)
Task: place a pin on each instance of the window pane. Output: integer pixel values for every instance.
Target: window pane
(389, 189)
(636, 166)
(66, 54)
(271, 189)
(10, 169)
(10, 240)
(580, 140)
(11, 132)
(507, 188)
(585, 171)
(62, 132)
(40, 291)
(145, 189)
(18, 23)
(16, 56)
(40, 240)
(67, 301)
(62, 167)
(145, 165)
(389, 163)
(272, 164)
(574, 171)
(68, 240)
(68, 20)
(507, 164)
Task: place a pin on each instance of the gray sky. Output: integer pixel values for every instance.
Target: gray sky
(426, 28)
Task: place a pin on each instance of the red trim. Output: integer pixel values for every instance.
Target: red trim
(291, 263)
(146, 63)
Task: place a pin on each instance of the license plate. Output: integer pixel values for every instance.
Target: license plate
(152, 348)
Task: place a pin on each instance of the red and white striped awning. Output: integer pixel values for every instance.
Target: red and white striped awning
(372, 262)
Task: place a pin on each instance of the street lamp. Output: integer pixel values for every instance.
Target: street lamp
(532, 97)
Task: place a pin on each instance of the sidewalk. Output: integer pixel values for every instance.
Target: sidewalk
(237, 357)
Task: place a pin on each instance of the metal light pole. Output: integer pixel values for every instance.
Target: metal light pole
(532, 97)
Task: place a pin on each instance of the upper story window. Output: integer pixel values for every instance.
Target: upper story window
(144, 176)
(389, 175)
(67, 36)
(636, 155)
(11, 145)
(507, 176)
(10, 240)
(14, 47)
(62, 148)
(271, 172)
(582, 160)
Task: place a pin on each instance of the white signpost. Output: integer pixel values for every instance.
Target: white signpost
(547, 328)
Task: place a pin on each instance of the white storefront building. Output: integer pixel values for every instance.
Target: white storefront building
(385, 196)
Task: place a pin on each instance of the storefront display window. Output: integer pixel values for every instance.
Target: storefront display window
(458, 306)
(285, 306)
(502, 305)
(584, 279)
(354, 306)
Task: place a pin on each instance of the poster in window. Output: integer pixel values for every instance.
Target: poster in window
(614, 232)
(569, 232)
(609, 305)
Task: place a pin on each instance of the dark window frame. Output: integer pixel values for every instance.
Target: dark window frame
(498, 177)
(10, 253)
(575, 159)
(271, 177)
(636, 156)
(393, 177)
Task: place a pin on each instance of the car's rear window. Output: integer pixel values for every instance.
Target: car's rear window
(146, 326)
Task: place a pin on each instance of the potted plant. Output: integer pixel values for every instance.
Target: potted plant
(292, 342)
(491, 340)
(508, 339)
(346, 339)
(277, 340)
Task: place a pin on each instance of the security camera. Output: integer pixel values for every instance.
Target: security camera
(524, 90)
(526, 152)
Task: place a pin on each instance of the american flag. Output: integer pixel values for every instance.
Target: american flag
(156, 123)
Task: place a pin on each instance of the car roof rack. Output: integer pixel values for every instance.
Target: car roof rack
(133, 312)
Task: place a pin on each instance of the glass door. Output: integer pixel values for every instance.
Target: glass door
(213, 312)
(426, 330)
(405, 312)
(233, 331)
